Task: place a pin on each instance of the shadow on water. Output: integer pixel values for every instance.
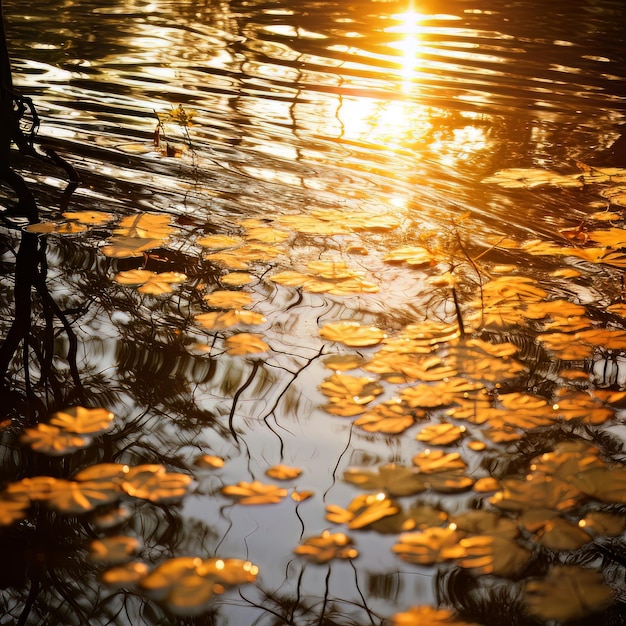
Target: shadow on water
(187, 436)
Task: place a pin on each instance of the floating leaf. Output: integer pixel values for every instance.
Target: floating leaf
(145, 226)
(254, 493)
(352, 334)
(209, 461)
(283, 472)
(152, 482)
(266, 234)
(559, 534)
(35, 488)
(125, 576)
(105, 472)
(91, 218)
(343, 362)
(301, 496)
(567, 593)
(363, 511)
(124, 247)
(218, 321)
(72, 497)
(535, 491)
(394, 480)
(441, 434)
(433, 461)
(415, 256)
(150, 282)
(115, 549)
(603, 523)
(83, 421)
(488, 554)
(13, 507)
(430, 546)
(245, 343)
(428, 616)
(327, 546)
(441, 394)
(52, 440)
(479, 522)
(111, 517)
(236, 279)
(390, 417)
(355, 389)
(54, 227)
(228, 299)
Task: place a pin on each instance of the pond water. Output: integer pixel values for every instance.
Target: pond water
(290, 247)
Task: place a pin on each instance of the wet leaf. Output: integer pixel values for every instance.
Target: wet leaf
(392, 479)
(441, 394)
(209, 461)
(479, 522)
(245, 343)
(414, 256)
(125, 247)
(54, 227)
(559, 534)
(236, 279)
(343, 362)
(327, 546)
(13, 507)
(150, 282)
(363, 511)
(603, 523)
(153, 483)
(266, 234)
(105, 472)
(115, 549)
(83, 421)
(301, 496)
(228, 299)
(283, 472)
(255, 493)
(125, 576)
(352, 334)
(36, 488)
(145, 226)
(227, 319)
(66, 496)
(498, 555)
(354, 389)
(441, 434)
(110, 517)
(531, 178)
(91, 218)
(390, 417)
(536, 491)
(433, 461)
(430, 546)
(566, 593)
(52, 440)
(428, 616)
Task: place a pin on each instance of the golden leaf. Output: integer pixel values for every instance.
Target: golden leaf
(266, 234)
(125, 576)
(479, 522)
(145, 226)
(559, 534)
(342, 362)
(536, 491)
(352, 334)
(415, 256)
(102, 472)
(209, 461)
(283, 472)
(428, 616)
(150, 282)
(83, 421)
(35, 488)
(441, 434)
(110, 517)
(71, 497)
(52, 440)
(92, 218)
(254, 493)
(430, 546)
(530, 178)
(433, 461)
(245, 343)
(498, 555)
(153, 483)
(236, 279)
(603, 523)
(124, 247)
(441, 394)
(227, 319)
(354, 389)
(394, 480)
(327, 546)
(13, 507)
(566, 593)
(115, 549)
(54, 227)
(390, 418)
(228, 299)
(301, 496)
(364, 510)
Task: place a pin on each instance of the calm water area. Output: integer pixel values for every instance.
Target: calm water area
(322, 136)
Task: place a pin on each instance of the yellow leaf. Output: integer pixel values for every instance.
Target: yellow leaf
(52, 440)
(245, 343)
(145, 226)
(152, 482)
(255, 493)
(92, 218)
(352, 334)
(441, 434)
(228, 299)
(283, 472)
(488, 554)
(392, 479)
(390, 418)
(209, 461)
(73, 497)
(327, 546)
(125, 576)
(124, 247)
(433, 461)
(301, 496)
(150, 282)
(430, 546)
(227, 319)
(219, 242)
(354, 389)
(83, 421)
(13, 507)
(115, 549)
(428, 616)
(236, 279)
